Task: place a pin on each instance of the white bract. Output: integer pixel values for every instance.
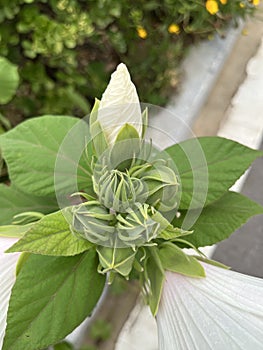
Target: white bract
(119, 105)
(222, 311)
(7, 279)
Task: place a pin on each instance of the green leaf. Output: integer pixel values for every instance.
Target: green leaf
(51, 236)
(50, 298)
(220, 219)
(210, 164)
(13, 201)
(154, 279)
(15, 231)
(116, 259)
(9, 80)
(175, 260)
(63, 346)
(31, 153)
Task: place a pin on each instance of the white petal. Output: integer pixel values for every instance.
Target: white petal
(7, 279)
(222, 311)
(119, 104)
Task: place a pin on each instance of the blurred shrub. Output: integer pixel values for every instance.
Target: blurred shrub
(66, 49)
(9, 80)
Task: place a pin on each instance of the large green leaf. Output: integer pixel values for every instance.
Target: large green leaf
(9, 80)
(34, 155)
(218, 220)
(209, 164)
(51, 297)
(51, 236)
(13, 201)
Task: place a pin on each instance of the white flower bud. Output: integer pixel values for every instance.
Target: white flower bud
(119, 105)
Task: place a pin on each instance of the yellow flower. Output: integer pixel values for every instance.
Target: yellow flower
(210, 37)
(174, 28)
(244, 32)
(256, 2)
(223, 2)
(212, 6)
(142, 32)
(242, 5)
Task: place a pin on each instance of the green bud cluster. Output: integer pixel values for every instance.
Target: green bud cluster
(125, 209)
(93, 222)
(134, 186)
(117, 190)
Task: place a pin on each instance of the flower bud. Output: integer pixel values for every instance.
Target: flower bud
(117, 190)
(93, 222)
(162, 185)
(137, 228)
(119, 105)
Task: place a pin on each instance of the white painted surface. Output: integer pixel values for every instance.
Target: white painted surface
(244, 118)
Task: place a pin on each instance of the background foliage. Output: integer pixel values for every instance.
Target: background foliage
(66, 49)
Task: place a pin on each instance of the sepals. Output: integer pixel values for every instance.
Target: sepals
(98, 137)
(127, 132)
(167, 230)
(144, 121)
(152, 279)
(126, 148)
(119, 260)
(175, 260)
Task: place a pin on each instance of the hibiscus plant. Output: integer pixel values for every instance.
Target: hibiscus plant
(92, 199)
